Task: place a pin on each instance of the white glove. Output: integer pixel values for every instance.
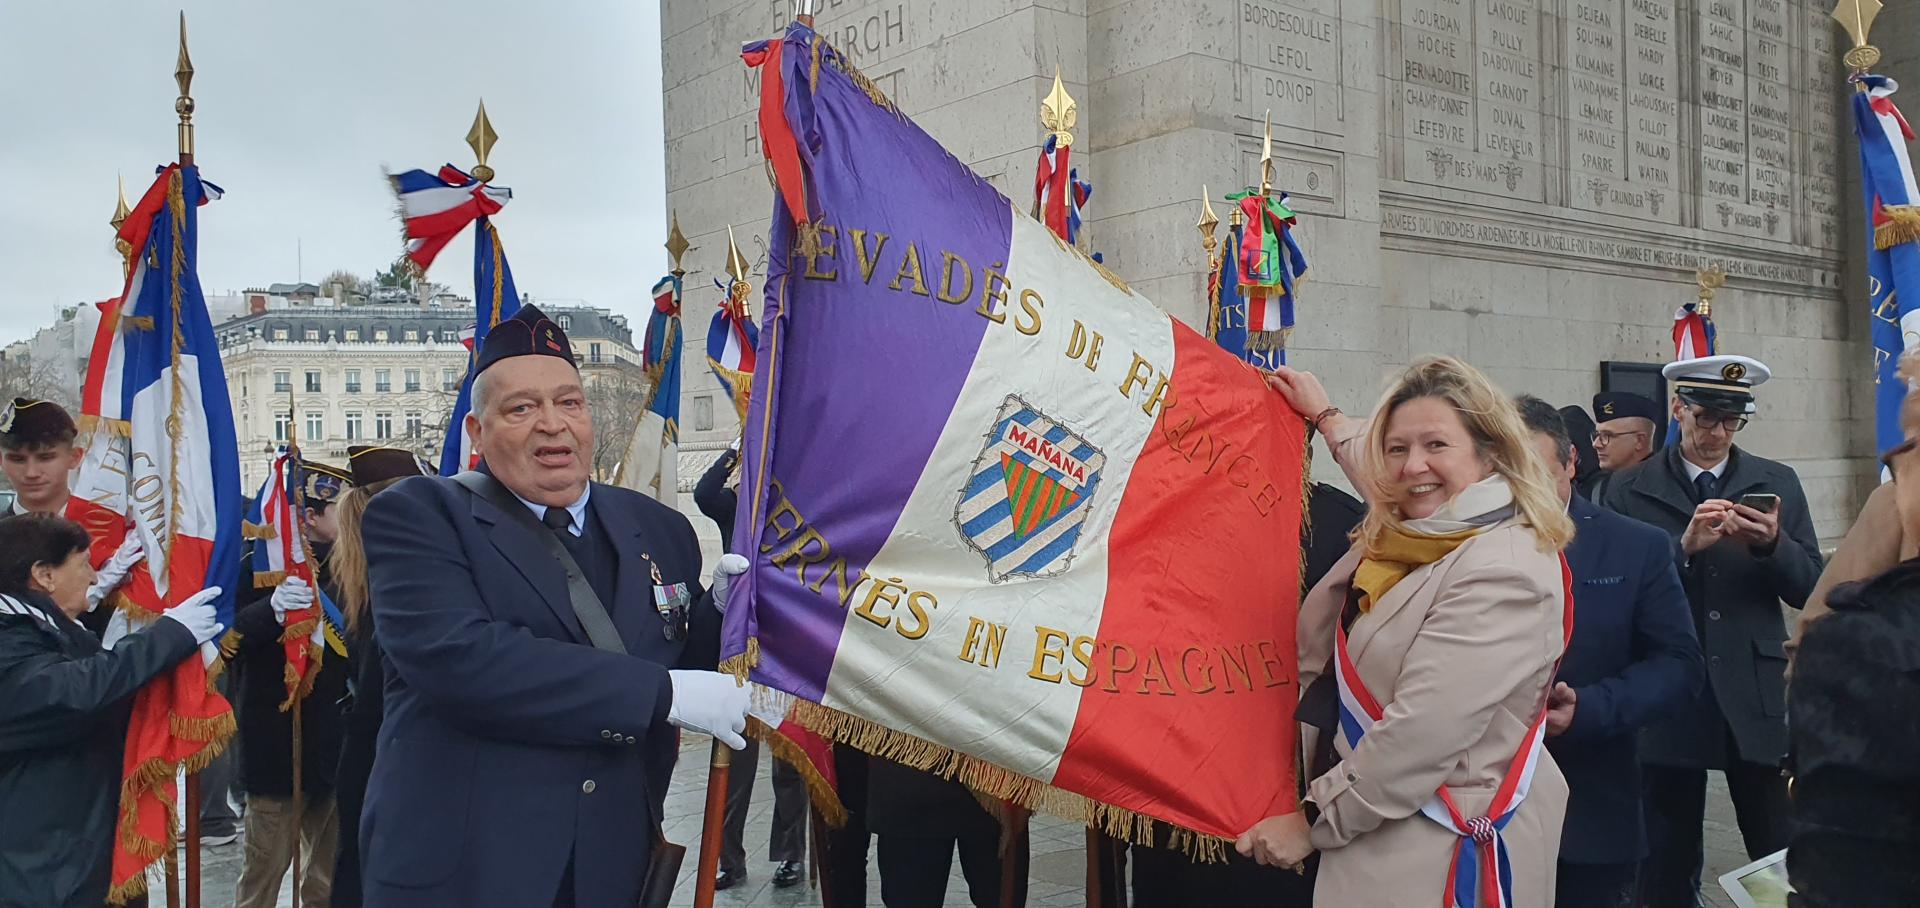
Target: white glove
(115, 571)
(292, 595)
(711, 704)
(197, 615)
(730, 566)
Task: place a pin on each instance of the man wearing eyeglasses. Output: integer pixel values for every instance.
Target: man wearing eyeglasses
(1744, 543)
(1622, 435)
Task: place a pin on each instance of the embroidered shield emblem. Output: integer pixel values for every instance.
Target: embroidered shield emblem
(1028, 494)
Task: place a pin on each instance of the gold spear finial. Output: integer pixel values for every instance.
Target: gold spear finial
(1208, 220)
(120, 214)
(481, 138)
(1058, 112)
(1856, 16)
(183, 105)
(1266, 157)
(737, 267)
(120, 209)
(1710, 278)
(677, 246)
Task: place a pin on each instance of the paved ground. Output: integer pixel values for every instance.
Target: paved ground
(1057, 872)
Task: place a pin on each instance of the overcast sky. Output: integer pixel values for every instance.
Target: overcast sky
(300, 105)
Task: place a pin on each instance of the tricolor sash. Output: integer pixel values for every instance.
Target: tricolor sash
(1480, 854)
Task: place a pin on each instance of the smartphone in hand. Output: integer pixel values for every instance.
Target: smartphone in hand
(1764, 502)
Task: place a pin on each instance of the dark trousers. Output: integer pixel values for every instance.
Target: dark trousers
(913, 871)
(219, 783)
(844, 851)
(788, 840)
(1676, 806)
(1596, 885)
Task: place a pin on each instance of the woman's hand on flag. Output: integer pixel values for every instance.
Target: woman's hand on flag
(1281, 841)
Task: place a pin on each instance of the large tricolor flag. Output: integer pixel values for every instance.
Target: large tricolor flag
(434, 208)
(164, 454)
(651, 464)
(1064, 566)
(1893, 264)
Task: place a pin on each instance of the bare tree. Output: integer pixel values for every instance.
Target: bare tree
(23, 376)
(354, 284)
(615, 398)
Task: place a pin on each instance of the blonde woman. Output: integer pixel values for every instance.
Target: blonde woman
(1434, 642)
(375, 469)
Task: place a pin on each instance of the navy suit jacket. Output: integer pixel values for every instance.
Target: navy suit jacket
(1634, 658)
(512, 748)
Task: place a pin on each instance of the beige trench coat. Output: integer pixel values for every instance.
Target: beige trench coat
(1461, 652)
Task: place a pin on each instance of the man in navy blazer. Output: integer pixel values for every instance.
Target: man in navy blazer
(519, 764)
(1633, 658)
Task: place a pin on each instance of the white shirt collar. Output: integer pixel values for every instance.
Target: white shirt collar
(1719, 470)
(577, 510)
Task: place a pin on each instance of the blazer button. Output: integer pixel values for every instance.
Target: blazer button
(604, 733)
(629, 739)
(1713, 615)
(1713, 661)
(587, 787)
(1352, 778)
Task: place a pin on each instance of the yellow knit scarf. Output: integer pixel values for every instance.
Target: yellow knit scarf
(1396, 554)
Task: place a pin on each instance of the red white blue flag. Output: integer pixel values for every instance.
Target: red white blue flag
(164, 455)
(1068, 553)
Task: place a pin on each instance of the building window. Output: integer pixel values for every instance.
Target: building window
(383, 426)
(279, 334)
(449, 380)
(449, 335)
(416, 421)
(566, 323)
(383, 380)
(282, 422)
(593, 352)
(703, 413)
(413, 379)
(353, 381)
(243, 386)
(312, 334)
(316, 426)
(352, 334)
(380, 335)
(282, 381)
(411, 335)
(313, 381)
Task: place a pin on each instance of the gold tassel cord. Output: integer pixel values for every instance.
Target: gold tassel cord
(739, 666)
(1899, 224)
(998, 782)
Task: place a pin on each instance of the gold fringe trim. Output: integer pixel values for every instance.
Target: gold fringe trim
(89, 424)
(136, 323)
(1000, 783)
(268, 579)
(739, 666)
(151, 777)
(1269, 340)
(257, 531)
(825, 799)
(1902, 226)
(298, 686)
(211, 730)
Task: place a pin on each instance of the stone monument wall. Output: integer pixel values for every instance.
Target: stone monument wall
(1528, 184)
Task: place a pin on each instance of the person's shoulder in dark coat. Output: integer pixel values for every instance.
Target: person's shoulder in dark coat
(1855, 724)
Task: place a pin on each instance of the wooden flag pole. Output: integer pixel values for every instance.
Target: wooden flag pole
(712, 825)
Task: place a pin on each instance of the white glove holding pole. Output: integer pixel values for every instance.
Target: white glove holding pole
(292, 595)
(197, 615)
(710, 703)
(730, 566)
(115, 571)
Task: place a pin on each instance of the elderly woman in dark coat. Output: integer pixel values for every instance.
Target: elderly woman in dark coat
(64, 704)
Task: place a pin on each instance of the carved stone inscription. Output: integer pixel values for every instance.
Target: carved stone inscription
(1746, 121)
(1470, 85)
(1820, 167)
(1621, 78)
(1290, 63)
